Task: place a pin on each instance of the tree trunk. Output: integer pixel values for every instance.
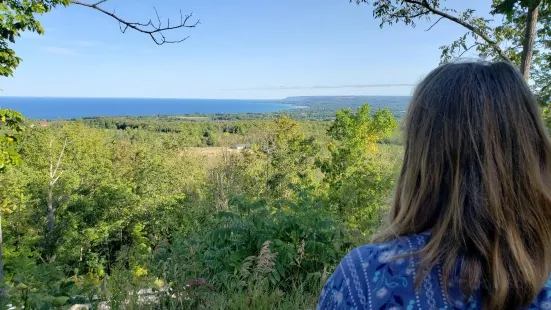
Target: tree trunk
(54, 174)
(529, 40)
(51, 212)
(3, 290)
(50, 226)
(267, 188)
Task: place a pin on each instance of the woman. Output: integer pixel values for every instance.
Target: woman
(470, 227)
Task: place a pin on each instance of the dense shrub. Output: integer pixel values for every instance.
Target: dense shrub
(258, 248)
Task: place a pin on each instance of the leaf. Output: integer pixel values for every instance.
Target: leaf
(325, 224)
(504, 7)
(226, 214)
(276, 275)
(60, 301)
(272, 279)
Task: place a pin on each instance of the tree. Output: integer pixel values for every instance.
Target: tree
(54, 175)
(17, 16)
(518, 32)
(291, 157)
(358, 175)
(10, 127)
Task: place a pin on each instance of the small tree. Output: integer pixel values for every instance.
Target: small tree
(291, 158)
(358, 176)
(10, 127)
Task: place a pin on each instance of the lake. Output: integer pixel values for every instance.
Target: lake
(54, 108)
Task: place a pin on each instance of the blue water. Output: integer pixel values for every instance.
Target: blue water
(54, 108)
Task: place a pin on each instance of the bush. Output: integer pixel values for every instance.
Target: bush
(259, 250)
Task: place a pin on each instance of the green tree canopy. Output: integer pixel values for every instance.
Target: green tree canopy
(360, 177)
(10, 129)
(16, 17)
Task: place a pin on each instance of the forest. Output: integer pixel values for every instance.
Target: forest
(223, 211)
(160, 213)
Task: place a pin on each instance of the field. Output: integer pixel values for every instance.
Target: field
(210, 156)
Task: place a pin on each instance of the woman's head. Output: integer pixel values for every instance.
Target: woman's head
(476, 174)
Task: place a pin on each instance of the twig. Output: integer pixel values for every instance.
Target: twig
(156, 32)
(435, 23)
(469, 48)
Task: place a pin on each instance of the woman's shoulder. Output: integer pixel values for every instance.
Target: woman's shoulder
(373, 274)
(382, 275)
(383, 252)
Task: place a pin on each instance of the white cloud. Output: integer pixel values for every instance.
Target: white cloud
(90, 44)
(86, 43)
(59, 50)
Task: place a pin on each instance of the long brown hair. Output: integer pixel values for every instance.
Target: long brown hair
(476, 174)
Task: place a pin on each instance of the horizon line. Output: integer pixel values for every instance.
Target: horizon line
(323, 87)
(192, 98)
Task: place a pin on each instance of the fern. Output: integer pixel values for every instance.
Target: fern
(265, 261)
(246, 267)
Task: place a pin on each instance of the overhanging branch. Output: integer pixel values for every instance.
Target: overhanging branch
(156, 30)
(442, 14)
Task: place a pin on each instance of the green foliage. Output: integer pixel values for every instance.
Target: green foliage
(130, 213)
(512, 32)
(359, 174)
(303, 234)
(41, 286)
(242, 174)
(17, 16)
(256, 250)
(143, 218)
(11, 126)
(291, 155)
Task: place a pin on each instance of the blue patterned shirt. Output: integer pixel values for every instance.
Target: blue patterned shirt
(369, 277)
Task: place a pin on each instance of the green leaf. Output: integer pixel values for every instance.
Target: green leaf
(60, 301)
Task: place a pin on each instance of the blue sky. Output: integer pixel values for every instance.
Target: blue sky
(241, 49)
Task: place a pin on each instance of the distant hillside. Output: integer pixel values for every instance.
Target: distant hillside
(326, 106)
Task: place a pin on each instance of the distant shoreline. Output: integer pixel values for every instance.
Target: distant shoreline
(305, 107)
(191, 98)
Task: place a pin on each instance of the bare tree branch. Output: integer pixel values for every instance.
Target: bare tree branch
(56, 178)
(53, 174)
(468, 49)
(428, 29)
(155, 30)
(51, 159)
(485, 37)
